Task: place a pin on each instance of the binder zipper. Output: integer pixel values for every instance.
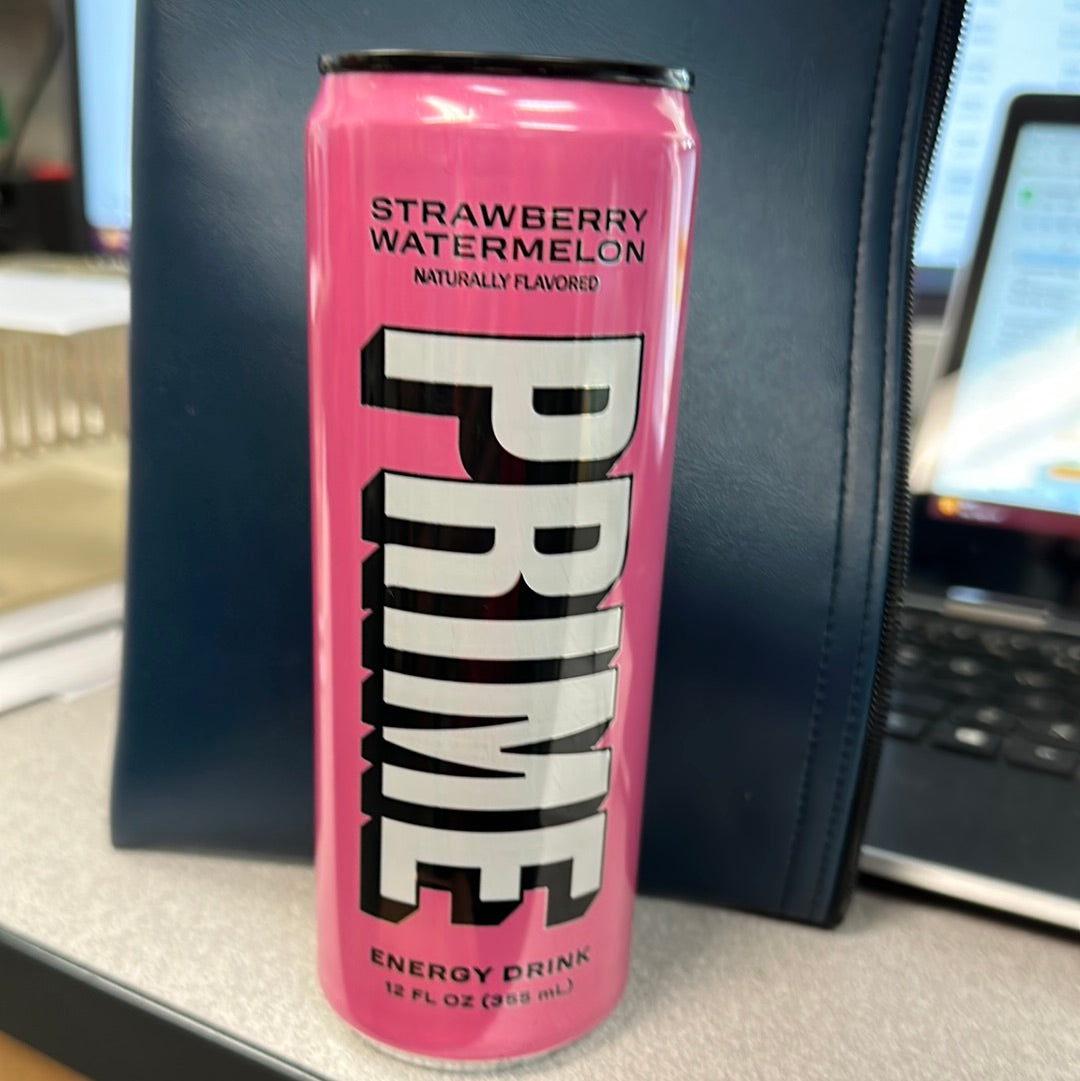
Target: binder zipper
(949, 32)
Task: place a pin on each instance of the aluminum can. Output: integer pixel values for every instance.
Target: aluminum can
(497, 258)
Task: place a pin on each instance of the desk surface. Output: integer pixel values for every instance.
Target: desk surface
(903, 989)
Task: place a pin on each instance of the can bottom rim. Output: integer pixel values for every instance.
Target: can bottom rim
(462, 1066)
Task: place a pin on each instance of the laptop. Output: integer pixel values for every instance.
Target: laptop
(978, 792)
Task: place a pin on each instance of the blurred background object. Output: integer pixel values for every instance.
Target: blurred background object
(65, 124)
(1008, 47)
(65, 219)
(38, 201)
(103, 61)
(63, 477)
(63, 428)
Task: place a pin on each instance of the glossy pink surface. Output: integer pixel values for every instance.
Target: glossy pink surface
(513, 140)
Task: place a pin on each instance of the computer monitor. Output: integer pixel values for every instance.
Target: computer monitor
(103, 32)
(1008, 47)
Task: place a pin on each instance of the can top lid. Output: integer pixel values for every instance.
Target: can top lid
(550, 67)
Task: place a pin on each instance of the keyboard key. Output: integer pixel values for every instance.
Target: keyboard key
(1057, 649)
(1023, 642)
(1037, 756)
(996, 643)
(1050, 648)
(1040, 703)
(966, 667)
(937, 631)
(965, 688)
(917, 691)
(1035, 679)
(915, 683)
(963, 632)
(991, 717)
(1016, 647)
(1060, 733)
(1065, 664)
(904, 726)
(966, 738)
(910, 656)
(922, 705)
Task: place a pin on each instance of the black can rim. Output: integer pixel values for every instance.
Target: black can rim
(550, 67)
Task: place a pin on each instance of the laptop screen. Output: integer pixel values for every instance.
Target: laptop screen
(1008, 451)
(105, 53)
(1008, 47)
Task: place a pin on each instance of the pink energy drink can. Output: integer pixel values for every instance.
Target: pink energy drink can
(497, 252)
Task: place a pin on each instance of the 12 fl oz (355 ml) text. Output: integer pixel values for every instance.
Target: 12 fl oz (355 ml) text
(490, 1000)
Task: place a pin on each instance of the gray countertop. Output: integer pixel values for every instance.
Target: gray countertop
(904, 989)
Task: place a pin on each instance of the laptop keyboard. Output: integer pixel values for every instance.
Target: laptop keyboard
(988, 692)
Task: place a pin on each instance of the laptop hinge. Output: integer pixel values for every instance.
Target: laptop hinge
(981, 606)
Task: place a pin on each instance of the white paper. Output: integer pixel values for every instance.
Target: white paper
(47, 302)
